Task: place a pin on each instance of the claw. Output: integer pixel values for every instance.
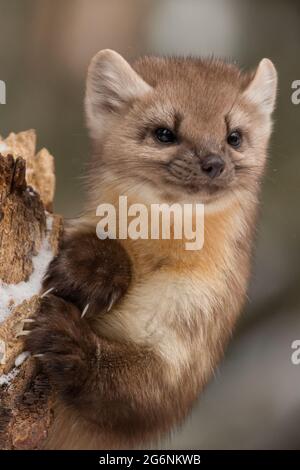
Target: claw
(38, 355)
(21, 325)
(22, 333)
(47, 292)
(85, 310)
(112, 301)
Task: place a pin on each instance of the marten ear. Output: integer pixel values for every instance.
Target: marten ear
(111, 85)
(263, 87)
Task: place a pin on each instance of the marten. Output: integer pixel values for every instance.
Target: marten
(130, 331)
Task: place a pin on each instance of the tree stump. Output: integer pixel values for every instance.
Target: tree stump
(29, 236)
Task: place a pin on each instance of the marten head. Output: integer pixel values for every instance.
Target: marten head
(179, 129)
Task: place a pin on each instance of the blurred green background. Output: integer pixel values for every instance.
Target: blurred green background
(45, 48)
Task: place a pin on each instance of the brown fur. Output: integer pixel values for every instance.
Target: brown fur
(128, 377)
(88, 271)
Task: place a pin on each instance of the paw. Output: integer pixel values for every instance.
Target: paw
(62, 342)
(89, 272)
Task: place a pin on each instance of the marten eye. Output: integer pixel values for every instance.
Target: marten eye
(234, 139)
(164, 135)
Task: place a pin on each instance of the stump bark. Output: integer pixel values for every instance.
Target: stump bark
(29, 237)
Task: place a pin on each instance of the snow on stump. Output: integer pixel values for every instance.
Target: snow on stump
(29, 236)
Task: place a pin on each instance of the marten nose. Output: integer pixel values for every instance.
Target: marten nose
(213, 165)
